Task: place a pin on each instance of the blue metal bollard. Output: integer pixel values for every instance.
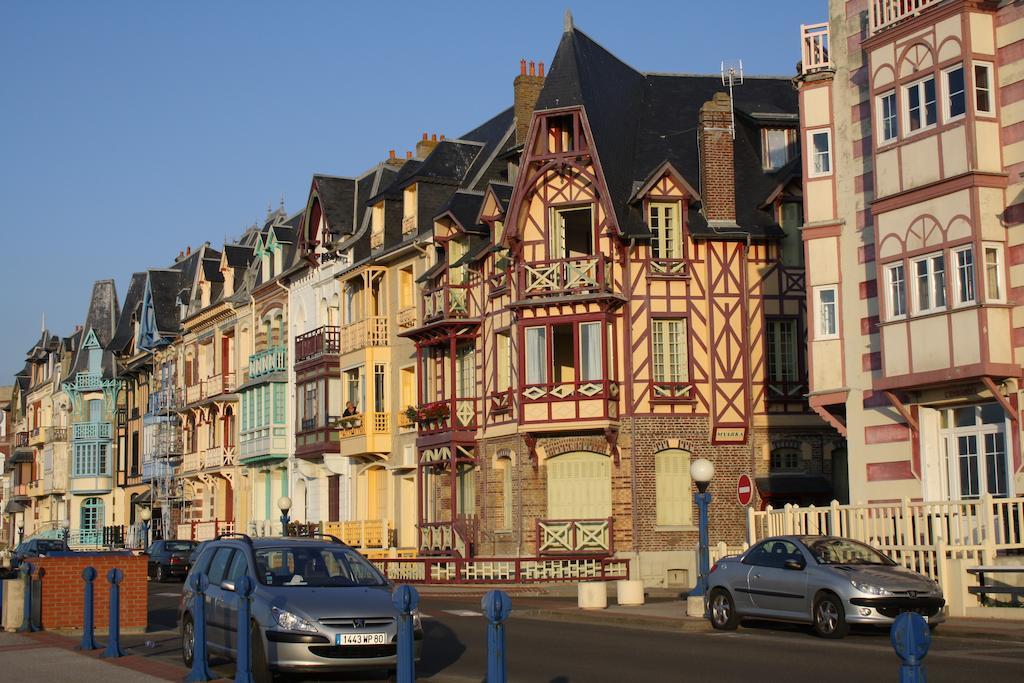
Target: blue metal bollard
(115, 577)
(243, 665)
(200, 669)
(911, 639)
(497, 606)
(88, 638)
(26, 623)
(405, 599)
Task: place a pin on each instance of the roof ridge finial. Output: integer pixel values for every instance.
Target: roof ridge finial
(568, 20)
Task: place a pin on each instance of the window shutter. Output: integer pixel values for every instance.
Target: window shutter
(672, 488)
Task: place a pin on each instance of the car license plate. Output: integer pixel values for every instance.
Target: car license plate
(360, 638)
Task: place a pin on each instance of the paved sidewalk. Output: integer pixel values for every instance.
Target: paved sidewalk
(45, 656)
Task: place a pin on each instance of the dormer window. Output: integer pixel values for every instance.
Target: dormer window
(666, 231)
(409, 209)
(572, 232)
(778, 147)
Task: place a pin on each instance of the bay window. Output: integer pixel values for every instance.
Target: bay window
(993, 273)
(920, 112)
(888, 128)
(826, 312)
(465, 371)
(896, 290)
(564, 353)
(964, 289)
(820, 144)
(536, 355)
(983, 86)
(929, 283)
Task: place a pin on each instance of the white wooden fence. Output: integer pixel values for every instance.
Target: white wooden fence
(918, 535)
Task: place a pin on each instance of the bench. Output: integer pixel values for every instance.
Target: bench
(981, 589)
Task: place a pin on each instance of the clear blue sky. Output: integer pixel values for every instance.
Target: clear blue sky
(129, 130)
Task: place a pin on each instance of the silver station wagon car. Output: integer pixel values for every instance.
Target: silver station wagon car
(318, 606)
(825, 581)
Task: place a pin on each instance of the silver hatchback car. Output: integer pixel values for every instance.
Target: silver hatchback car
(318, 606)
(826, 581)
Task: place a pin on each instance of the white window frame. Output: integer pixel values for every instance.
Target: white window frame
(997, 248)
(667, 238)
(820, 333)
(812, 154)
(932, 289)
(947, 95)
(890, 291)
(990, 90)
(882, 118)
(955, 254)
(790, 142)
(670, 351)
(919, 85)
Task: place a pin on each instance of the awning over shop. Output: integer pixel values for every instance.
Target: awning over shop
(21, 455)
(13, 507)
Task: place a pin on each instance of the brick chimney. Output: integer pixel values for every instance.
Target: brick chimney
(526, 86)
(717, 171)
(393, 160)
(425, 146)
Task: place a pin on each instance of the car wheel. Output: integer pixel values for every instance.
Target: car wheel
(160, 573)
(261, 673)
(722, 611)
(830, 617)
(188, 641)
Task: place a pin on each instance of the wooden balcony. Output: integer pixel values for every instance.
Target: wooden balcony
(211, 387)
(447, 538)
(814, 48)
(407, 317)
(363, 533)
(886, 13)
(574, 537)
(462, 416)
(21, 440)
(573, 400)
(363, 424)
(268, 361)
(668, 268)
(408, 225)
(191, 462)
(323, 341)
(216, 457)
(449, 302)
(372, 331)
(567, 276)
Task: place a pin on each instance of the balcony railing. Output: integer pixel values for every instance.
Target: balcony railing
(269, 361)
(376, 240)
(448, 302)
(21, 440)
(583, 275)
(191, 462)
(56, 434)
(91, 430)
(35, 488)
(372, 331)
(219, 456)
(501, 402)
(363, 533)
(215, 385)
(407, 317)
(363, 424)
(408, 224)
(20, 490)
(669, 267)
(815, 48)
(86, 381)
(574, 536)
(447, 538)
(462, 415)
(568, 391)
(885, 13)
(163, 401)
(323, 341)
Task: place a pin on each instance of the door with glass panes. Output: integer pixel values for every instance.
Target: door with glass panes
(976, 450)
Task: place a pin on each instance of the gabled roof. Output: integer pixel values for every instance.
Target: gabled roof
(238, 255)
(502, 194)
(100, 322)
(129, 313)
(640, 121)
(464, 207)
(337, 201)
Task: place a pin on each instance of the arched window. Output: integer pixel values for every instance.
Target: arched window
(504, 463)
(92, 518)
(579, 486)
(229, 427)
(672, 488)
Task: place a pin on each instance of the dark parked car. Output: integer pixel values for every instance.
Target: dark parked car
(169, 559)
(38, 547)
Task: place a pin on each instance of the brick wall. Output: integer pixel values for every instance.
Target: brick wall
(717, 173)
(63, 590)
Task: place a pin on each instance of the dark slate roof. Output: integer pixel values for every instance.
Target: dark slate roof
(129, 313)
(392, 188)
(337, 200)
(639, 121)
(464, 206)
(284, 234)
(238, 256)
(492, 133)
(165, 285)
(448, 163)
(211, 270)
(503, 193)
(104, 311)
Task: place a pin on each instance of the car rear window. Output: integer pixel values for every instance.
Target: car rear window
(179, 546)
(50, 546)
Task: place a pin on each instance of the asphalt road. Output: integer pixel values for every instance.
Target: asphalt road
(556, 652)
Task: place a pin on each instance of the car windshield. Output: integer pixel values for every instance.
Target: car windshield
(321, 566)
(179, 546)
(50, 546)
(845, 551)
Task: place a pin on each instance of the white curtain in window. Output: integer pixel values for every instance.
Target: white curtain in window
(536, 356)
(590, 351)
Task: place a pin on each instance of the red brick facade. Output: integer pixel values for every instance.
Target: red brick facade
(63, 590)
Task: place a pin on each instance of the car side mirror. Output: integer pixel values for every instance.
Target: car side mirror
(794, 564)
(228, 585)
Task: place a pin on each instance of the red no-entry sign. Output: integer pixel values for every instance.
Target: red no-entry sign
(744, 489)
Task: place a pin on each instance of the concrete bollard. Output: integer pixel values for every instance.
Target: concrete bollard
(405, 599)
(88, 626)
(592, 595)
(243, 665)
(497, 606)
(911, 639)
(200, 670)
(115, 577)
(629, 592)
(26, 620)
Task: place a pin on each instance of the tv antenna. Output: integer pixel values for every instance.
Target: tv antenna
(732, 75)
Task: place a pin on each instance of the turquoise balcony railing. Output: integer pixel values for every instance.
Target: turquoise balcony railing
(274, 359)
(91, 430)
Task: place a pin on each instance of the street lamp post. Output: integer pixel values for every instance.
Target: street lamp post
(701, 471)
(145, 515)
(284, 503)
(65, 526)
